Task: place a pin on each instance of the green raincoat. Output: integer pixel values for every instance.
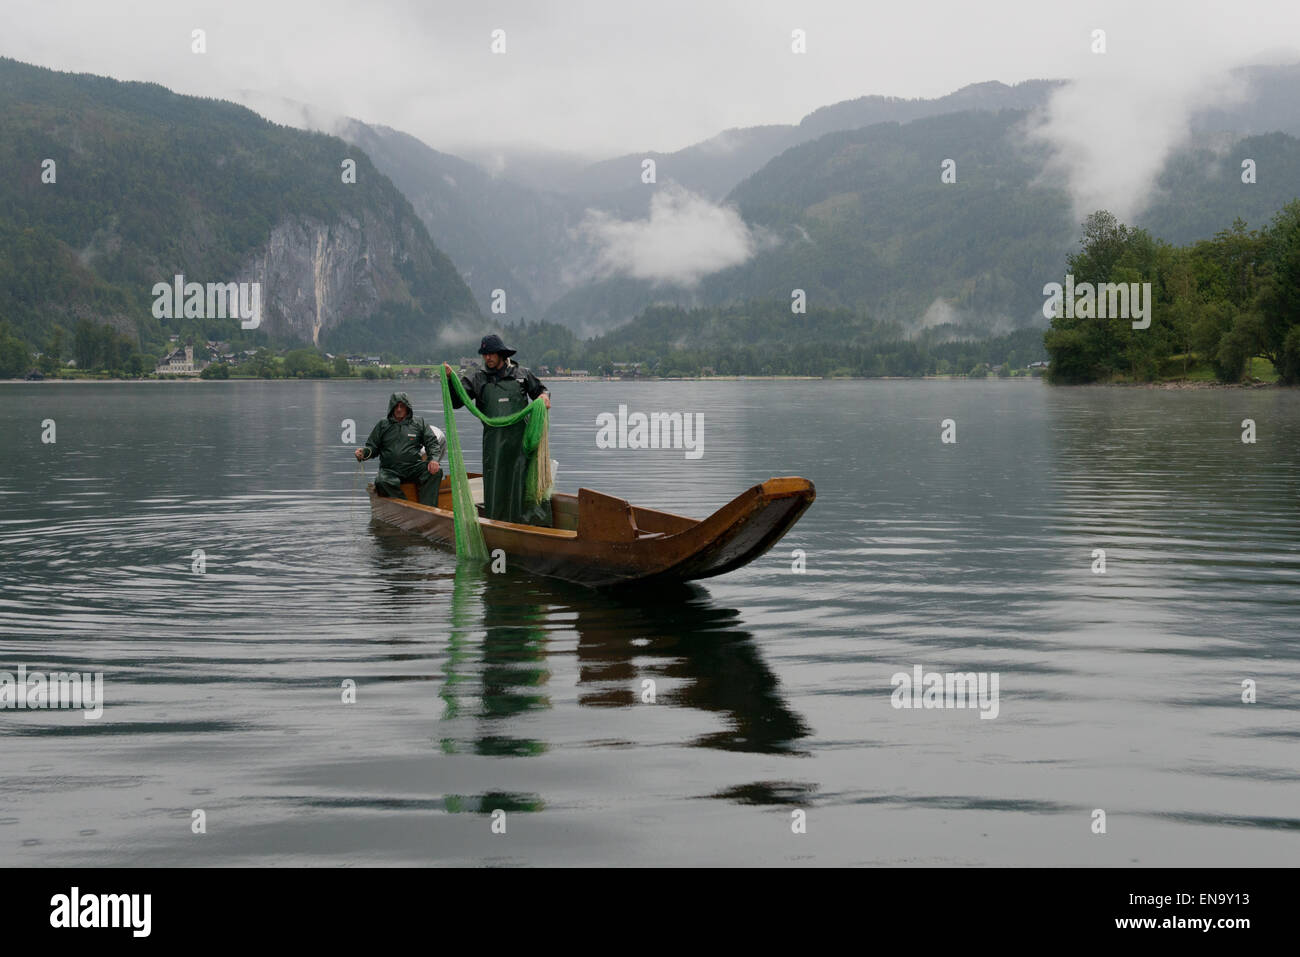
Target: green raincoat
(398, 446)
(505, 465)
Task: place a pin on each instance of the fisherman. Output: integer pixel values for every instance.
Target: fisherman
(502, 388)
(397, 440)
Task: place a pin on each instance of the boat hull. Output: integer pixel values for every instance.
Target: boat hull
(614, 543)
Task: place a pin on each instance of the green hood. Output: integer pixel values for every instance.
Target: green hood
(401, 397)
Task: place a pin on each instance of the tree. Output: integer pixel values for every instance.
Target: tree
(15, 360)
(1233, 353)
(1105, 241)
(86, 345)
(1279, 298)
(263, 365)
(54, 346)
(305, 362)
(1213, 322)
(1087, 348)
(1185, 307)
(1288, 362)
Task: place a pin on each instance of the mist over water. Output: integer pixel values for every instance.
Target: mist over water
(479, 692)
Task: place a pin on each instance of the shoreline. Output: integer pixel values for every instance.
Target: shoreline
(410, 379)
(1172, 385)
(1175, 385)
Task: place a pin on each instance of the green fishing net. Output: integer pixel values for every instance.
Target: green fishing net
(538, 485)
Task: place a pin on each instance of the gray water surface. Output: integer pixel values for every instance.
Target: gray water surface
(478, 692)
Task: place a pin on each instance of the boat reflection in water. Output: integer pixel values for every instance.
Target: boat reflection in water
(504, 628)
(684, 636)
(710, 664)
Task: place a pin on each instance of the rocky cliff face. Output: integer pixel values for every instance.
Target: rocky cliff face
(314, 275)
(151, 185)
(499, 234)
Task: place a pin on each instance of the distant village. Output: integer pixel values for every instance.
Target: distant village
(185, 361)
(182, 361)
(219, 360)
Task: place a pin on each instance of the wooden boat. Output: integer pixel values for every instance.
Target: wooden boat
(601, 541)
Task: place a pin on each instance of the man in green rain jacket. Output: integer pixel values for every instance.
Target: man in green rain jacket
(397, 440)
(504, 387)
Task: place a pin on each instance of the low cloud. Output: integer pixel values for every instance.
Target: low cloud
(458, 332)
(940, 313)
(1111, 135)
(1111, 131)
(685, 238)
(962, 323)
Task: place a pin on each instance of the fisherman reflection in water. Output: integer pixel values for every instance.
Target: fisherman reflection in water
(398, 440)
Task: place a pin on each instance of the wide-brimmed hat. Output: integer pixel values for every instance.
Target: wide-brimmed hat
(493, 344)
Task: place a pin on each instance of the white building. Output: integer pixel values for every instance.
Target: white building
(180, 362)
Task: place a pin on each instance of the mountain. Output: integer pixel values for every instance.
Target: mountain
(989, 97)
(500, 235)
(878, 243)
(518, 228)
(715, 166)
(847, 206)
(865, 220)
(1268, 103)
(861, 220)
(1200, 190)
(883, 237)
(711, 167)
(764, 338)
(147, 184)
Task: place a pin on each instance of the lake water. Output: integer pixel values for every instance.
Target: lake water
(477, 693)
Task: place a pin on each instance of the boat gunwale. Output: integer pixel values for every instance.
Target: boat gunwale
(759, 490)
(742, 502)
(489, 522)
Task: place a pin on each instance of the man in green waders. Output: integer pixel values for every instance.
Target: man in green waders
(504, 387)
(397, 440)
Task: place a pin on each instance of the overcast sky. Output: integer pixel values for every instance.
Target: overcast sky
(604, 77)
